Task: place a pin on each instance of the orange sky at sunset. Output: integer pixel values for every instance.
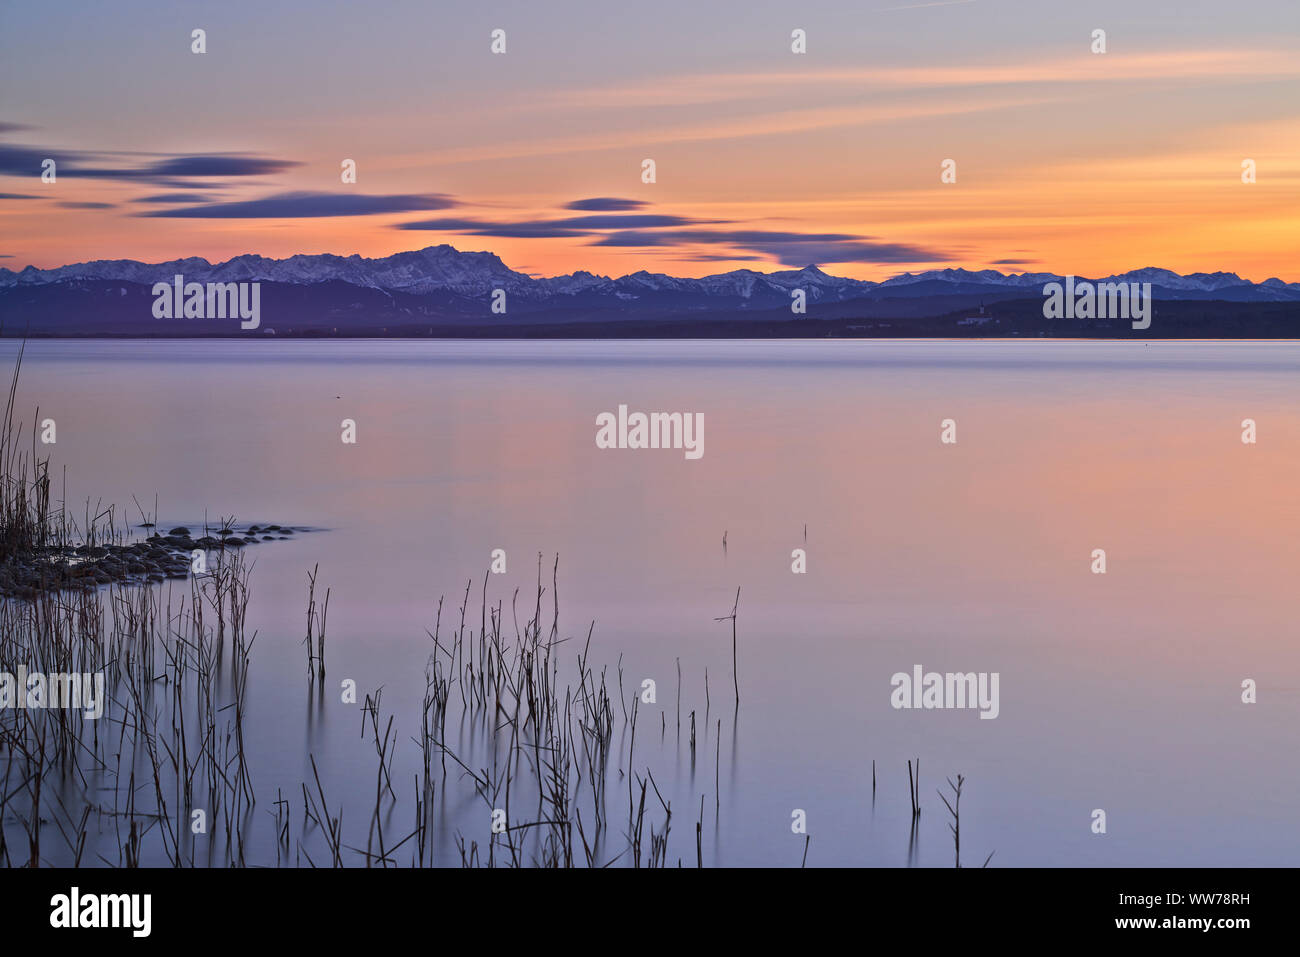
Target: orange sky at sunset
(1067, 161)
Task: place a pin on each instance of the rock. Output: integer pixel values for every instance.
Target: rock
(82, 566)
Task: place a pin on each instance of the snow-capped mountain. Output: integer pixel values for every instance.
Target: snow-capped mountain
(436, 268)
(444, 269)
(1163, 282)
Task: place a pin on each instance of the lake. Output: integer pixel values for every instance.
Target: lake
(1119, 691)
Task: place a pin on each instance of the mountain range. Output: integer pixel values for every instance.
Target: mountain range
(445, 269)
(441, 290)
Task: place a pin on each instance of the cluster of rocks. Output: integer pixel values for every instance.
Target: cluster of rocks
(157, 558)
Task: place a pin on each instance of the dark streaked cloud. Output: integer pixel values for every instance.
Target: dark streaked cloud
(221, 164)
(17, 196)
(83, 205)
(737, 237)
(656, 230)
(787, 248)
(632, 221)
(165, 198)
(25, 161)
(606, 204)
(553, 228)
(170, 170)
(308, 205)
(472, 227)
(868, 251)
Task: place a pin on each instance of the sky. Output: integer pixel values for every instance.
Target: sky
(1066, 160)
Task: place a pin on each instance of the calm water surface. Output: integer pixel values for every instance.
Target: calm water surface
(1117, 691)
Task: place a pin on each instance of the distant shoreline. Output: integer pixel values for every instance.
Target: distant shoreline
(293, 313)
(634, 338)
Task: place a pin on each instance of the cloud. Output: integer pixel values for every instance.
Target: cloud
(633, 221)
(17, 196)
(803, 254)
(787, 248)
(169, 170)
(606, 204)
(553, 228)
(659, 230)
(473, 227)
(71, 205)
(221, 164)
(174, 198)
(25, 161)
(307, 205)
